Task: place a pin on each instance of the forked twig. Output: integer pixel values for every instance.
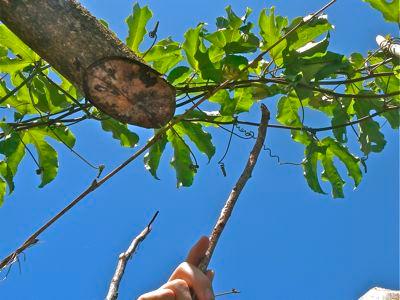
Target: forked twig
(123, 260)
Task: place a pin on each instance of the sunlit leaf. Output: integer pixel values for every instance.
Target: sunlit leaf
(191, 45)
(137, 22)
(271, 29)
(389, 9)
(15, 45)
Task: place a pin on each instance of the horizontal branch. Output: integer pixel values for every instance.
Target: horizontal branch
(305, 128)
(250, 82)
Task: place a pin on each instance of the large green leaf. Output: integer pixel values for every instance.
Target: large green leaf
(198, 136)
(153, 157)
(164, 55)
(12, 65)
(389, 9)
(306, 33)
(208, 70)
(179, 75)
(191, 45)
(15, 45)
(350, 161)
(271, 30)
(181, 161)
(371, 137)
(120, 132)
(310, 165)
(332, 175)
(48, 157)
(137, 26)
(241, 102)
(288, 108)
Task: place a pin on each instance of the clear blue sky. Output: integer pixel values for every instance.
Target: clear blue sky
(283, 241)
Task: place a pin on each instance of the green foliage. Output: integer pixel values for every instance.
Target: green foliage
(389, 9)
(137, 26)
(297, 69)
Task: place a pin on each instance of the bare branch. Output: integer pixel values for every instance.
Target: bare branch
(237, 189)
(123, 260)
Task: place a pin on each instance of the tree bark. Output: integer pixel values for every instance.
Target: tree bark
(89, 55)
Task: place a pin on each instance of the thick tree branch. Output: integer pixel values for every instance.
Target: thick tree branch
(124, 258)
(237, 189)
(111, 76)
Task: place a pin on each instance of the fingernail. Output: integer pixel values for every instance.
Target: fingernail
(209, 294)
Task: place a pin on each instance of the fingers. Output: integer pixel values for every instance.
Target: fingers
(160, 294)
(198, 251)
(195, 279)
(180, 289)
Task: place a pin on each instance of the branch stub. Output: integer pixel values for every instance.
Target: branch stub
(130, 92)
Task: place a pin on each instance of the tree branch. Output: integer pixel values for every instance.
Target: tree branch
(237, 189)
(309, 129)
(123, 260)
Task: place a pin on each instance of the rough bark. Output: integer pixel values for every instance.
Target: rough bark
(72, 41)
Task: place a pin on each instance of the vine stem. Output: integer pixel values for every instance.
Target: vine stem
(124, 258)
(227, 210)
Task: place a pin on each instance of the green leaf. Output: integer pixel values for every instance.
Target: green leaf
(12, 65)
(241, 102)
(332, 175)
(198, 136)
(15, 45)
(306, 33)
(61, 134)
(48, 157)
(164, 55)
(120, 132)
(181, 161)
(262, 91)
(371, 138)
(310, 167)
(13, 149)
(7, 175)
(179, 75)
(3, 189)
(350, 161)
(271, 30)
(208, 70)
(191, 45)
(234, 21)
(389, 9)
(288, 107)
(152, 158)
(340, 117)
(137, 26)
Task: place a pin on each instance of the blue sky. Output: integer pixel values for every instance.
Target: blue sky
(283, 241)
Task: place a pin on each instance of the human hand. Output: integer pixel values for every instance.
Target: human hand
(187, 277)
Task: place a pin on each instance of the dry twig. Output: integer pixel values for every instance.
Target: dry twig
(123, 260)
(237, 189)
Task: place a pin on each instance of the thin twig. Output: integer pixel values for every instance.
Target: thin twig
(123, 260)
(237, 189)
